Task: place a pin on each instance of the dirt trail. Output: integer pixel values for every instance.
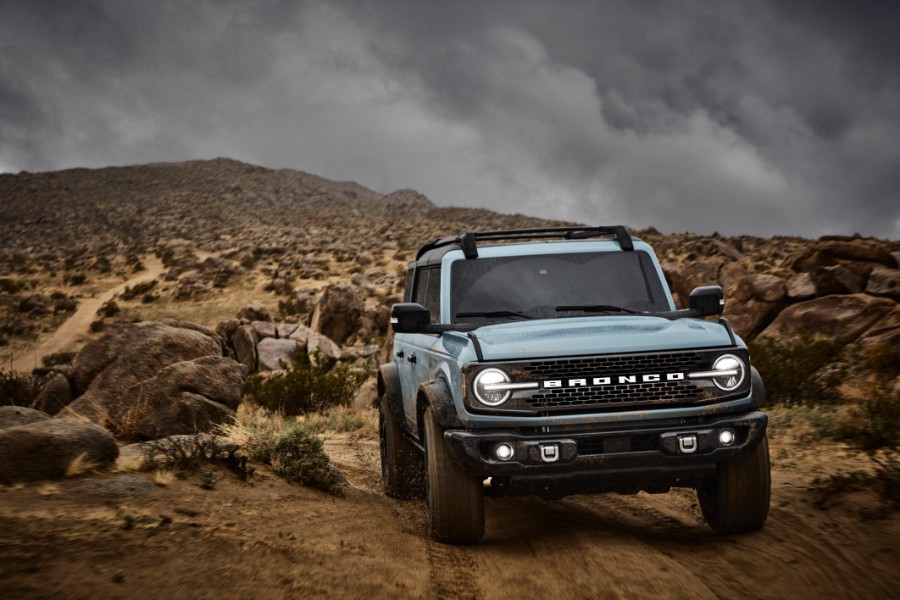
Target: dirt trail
(79, 323)
(82, 538)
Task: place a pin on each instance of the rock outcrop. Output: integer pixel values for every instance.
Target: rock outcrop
(48, 449)
(151, 379)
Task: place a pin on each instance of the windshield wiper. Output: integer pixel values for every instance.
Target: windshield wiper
(596, 308)
(494, 313)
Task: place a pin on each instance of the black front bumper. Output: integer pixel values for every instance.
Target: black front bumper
(646, 457)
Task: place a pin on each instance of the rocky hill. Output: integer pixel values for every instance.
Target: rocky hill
(214, 222)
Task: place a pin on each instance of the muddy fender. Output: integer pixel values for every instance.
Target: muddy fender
(389, 390)
(757, 389)
(436, 394)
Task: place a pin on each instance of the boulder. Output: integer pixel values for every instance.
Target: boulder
(46, 449)
(301, 336)
(751, 317)
(857, 250)
(226, 329)
(274, 352)
(844, 318)
(704, 271)
(337, 313)
(367, 395)
(142, 348)
(323, 352)
(885, 331)
(286, 329)
(264, 329)
(806, 260)
(884, 282)
(839, 279)
(762, 287)
(800, 287)
(255, 312)
(184, 398)
(13, 416)
(244, 341)
(55, 395)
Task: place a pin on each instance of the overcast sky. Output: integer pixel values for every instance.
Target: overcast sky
(755, 117)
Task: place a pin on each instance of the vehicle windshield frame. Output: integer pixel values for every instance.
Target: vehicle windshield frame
(633, 282)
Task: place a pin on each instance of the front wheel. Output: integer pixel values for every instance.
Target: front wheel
(737, 498)
(455, 499)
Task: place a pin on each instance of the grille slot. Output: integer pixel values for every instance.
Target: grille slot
(613, 365)
(616, 396)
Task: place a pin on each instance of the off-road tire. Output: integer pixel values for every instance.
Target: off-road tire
(455, 499)
(402, 466)
(737, 499)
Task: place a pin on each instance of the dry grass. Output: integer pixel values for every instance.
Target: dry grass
(80, 466)
(163, 478)
(49, 489)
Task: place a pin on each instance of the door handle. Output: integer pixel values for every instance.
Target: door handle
(399, 353)
(411, 358)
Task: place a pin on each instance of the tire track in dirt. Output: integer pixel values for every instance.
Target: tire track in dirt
(80, 321)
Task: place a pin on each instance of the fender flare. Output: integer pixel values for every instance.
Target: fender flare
(436, 394)
(757, 389)
(390, 391)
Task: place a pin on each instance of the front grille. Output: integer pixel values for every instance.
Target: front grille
(633, 382)
(616, 396)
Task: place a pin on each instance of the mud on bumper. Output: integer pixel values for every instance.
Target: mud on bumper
(652, 458)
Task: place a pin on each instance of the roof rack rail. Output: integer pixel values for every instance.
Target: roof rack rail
(468, 241)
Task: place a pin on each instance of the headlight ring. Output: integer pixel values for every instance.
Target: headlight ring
(487, 379)
(733, 372)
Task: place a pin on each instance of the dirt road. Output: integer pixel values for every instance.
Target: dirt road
(79, 323)
(124, 537)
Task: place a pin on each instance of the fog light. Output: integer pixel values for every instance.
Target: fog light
(726, 437)
(504, 451)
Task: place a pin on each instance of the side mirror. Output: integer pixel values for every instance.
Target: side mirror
(408, 317)
(707, 300)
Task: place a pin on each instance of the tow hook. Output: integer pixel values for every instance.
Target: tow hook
(549, 453)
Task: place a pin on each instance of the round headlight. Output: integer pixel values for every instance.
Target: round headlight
(733, 372)
(485, 381)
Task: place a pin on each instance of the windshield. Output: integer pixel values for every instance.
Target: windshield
(555, 285)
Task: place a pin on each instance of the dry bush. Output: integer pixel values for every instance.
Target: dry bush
(805, 371)
(16, 389)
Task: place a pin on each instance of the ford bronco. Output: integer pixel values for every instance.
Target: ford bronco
(554, 362)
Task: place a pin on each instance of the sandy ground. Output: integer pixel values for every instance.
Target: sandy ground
(122, 536)
(79, 323)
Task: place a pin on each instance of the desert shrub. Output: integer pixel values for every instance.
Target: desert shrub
(881, 361)
(303, 388)
(11, 286)
(16, 389)
(299, 457)
(806, 371)
(874, 424)
(76, 279)
(293, 450)
(97, 326)
(58, 358)
(108, 309)
(191, 453)
(139, 289)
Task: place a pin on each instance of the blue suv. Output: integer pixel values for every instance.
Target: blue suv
(554, 362)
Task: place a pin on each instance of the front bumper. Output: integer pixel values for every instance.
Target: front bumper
(645, 457)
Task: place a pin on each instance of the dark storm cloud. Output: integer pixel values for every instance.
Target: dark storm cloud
(732, 116)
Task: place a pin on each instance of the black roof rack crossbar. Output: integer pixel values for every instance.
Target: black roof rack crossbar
(468, 241)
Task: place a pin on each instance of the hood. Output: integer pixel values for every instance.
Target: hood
(596, 335)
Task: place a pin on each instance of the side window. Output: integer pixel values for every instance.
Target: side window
(428, 291)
